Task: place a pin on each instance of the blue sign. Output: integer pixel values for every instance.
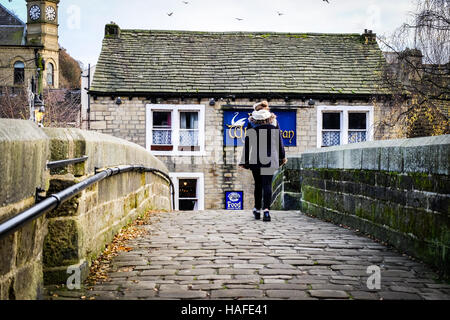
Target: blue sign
(234, 200)
(235, 124)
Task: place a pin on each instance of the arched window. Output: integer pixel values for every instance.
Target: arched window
(50, 74)
(19, 72)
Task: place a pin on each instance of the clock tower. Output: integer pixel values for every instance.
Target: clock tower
(42, 30)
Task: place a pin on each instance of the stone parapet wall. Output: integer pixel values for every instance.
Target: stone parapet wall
(76, 232)
(395, 190)
(24, 151)
(79, 230)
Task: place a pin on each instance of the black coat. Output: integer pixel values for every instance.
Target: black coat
(256, 153)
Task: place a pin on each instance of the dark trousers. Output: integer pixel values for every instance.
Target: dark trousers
(263, 189)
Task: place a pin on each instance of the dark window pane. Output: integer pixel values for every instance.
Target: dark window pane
(19, 76)
(186, 205)
(162, 119)
(188, 188)
(331, 120)
(189, 120)
(357, 121)
(19, 72)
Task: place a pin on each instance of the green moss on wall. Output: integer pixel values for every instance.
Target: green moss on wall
(397, 205)
(59, 150)
(61, 243)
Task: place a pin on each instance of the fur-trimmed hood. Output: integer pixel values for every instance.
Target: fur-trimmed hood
(272, 120)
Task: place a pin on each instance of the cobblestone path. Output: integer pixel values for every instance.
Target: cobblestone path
(229, 255)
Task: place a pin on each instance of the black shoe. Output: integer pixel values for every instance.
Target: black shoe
(257, 214)
(266, 216)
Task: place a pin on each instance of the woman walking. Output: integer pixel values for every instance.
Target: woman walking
(263, 154)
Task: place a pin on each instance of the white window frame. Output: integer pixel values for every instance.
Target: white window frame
(175, 110)
(344, 110)
(175, 176)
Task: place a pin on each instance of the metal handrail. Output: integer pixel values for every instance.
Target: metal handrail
(65, 163)
(55, 200)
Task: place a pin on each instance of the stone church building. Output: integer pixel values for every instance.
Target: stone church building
(27, 47)
(185, 96)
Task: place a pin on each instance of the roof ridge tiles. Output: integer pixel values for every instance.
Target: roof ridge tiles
(238, 32)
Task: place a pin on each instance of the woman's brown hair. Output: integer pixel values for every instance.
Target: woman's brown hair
(262, 105)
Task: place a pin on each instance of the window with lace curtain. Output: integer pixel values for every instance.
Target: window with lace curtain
(339, 125)
(162, 130)
(189, 131)
(357, 127)
(175, 129)
(331, 129)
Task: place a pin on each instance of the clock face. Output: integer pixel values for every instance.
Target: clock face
(50, 13)
(35, 12)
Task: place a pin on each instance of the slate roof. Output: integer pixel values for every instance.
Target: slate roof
(151, 61)
(12, 29)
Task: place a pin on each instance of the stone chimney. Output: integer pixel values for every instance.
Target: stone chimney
(369, 37)
(410, 63)
(407, 64)
(412, 56)
(112, 30)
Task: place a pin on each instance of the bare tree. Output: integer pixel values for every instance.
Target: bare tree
(14, 103)
(62, 107)
(421, 74)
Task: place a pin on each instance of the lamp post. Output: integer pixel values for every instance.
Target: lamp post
(38, 105)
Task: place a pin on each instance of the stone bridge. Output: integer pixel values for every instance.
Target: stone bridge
(385, 206)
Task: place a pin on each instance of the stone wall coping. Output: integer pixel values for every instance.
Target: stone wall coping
(23, 154)
(20, 130)
(424, 155)
(105, 150)
(412, 142)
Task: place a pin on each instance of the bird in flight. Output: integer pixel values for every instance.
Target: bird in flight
(326, 1)
(185, 2)
(280, 13)
(170, 14)
(239, 19)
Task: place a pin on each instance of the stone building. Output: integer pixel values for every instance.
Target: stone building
(27, 47)
(186, 95)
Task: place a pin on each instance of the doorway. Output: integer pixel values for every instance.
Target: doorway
(189, 190)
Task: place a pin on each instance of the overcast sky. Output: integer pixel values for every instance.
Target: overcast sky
(82, 21)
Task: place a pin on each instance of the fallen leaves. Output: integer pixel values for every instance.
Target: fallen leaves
(100, 267)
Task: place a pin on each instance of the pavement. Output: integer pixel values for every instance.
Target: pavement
(217, 254)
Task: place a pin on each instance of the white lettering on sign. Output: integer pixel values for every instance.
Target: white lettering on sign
(232, 205)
